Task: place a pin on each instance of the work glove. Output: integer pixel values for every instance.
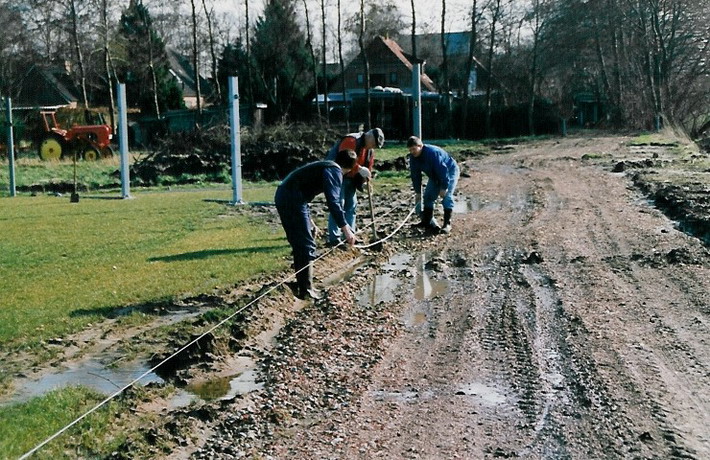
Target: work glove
(418, 204)
(365, 173)
(442, 193)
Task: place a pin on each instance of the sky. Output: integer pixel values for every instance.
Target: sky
(428, 12)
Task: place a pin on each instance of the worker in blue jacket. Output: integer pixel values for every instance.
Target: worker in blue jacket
(443, 174)
(292, 198)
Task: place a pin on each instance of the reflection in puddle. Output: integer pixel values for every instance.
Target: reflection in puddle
(464, 204)
(488, 395)
(425, 287)
(383, 287)
(226, 387)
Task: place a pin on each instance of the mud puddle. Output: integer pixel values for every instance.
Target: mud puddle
(93, 373)
(404, 271)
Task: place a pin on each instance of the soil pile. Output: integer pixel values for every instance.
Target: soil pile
(267, 155)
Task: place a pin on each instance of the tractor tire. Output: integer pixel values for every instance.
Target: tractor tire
(107, 152)
(51, 148)
(90, 153)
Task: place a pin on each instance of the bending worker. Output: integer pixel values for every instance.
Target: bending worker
(363, 145)
(443, 174)
(292, 198)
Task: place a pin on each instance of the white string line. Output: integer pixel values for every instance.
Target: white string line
(136, 380)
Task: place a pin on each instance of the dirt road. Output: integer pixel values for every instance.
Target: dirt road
(564, 317)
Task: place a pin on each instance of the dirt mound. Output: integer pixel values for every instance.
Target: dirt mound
(267, 155)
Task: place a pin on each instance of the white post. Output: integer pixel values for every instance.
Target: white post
(10, 146)
(417, 100)
(123, 140)
(236, 147)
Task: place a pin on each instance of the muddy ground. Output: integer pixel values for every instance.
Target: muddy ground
(566, 316)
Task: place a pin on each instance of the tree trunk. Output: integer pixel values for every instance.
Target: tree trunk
(361, 41)
(107, 65)
(489, 85)
(342, 72)
(213, 54)
(325, 66)
(77, 50)
(250, 84)
(469, 68)
(445, 71)
(314, 62)
(196, 57)
(414, 32)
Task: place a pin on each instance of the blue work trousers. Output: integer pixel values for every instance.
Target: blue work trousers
(296, 221)
(348, 199)
(432, 189)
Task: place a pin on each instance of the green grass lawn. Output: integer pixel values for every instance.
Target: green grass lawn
(64, 265)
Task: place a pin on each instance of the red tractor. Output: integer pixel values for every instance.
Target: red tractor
(89, 142)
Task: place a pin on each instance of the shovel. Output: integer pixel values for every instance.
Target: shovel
(377, 246)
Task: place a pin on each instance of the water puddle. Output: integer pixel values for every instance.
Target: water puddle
(384, 286)
(464, 204)
(425, 287)
(92, 373)
(489, 396)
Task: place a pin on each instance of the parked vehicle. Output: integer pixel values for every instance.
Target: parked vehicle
(89, 142)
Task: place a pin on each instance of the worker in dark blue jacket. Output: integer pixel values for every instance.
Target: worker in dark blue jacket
(292, 198)
(443, 174)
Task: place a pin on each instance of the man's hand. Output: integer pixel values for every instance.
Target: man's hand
(365, 173)
(442, 193)
(348, 234)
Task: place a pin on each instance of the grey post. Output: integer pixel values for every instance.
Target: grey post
(417, 99)
(123, 140)
(236, 147)
(10, 146)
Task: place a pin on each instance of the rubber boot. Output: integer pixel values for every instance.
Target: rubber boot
(427, 214)
(305, 284)
(447, 221)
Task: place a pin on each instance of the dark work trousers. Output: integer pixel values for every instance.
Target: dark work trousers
(296, 220)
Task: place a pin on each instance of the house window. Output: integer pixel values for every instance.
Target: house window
(360, 79)
(378, 79)
(393, 78)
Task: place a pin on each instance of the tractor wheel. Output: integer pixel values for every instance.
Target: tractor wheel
(51, 148)
(107, 152)
(90, 153)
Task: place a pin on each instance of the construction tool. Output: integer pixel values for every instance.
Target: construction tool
(377, 246)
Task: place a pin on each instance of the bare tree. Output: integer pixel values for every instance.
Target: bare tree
(445, 70)
(414, 32)
(325, 65)
(363, 52)
(213, 53)
(314, 61)
(495, 12)
(473, 42)
(196, 57)
(342, 69)
(73, 14)
(108, 64)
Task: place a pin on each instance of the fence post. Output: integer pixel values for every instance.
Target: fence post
(123, 141)
(235, 142)
(417, 100)
(10, 146)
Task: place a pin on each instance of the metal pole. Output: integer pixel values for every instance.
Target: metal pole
(417, 100)
(10, 146)
(123, 140)
(236, 147)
